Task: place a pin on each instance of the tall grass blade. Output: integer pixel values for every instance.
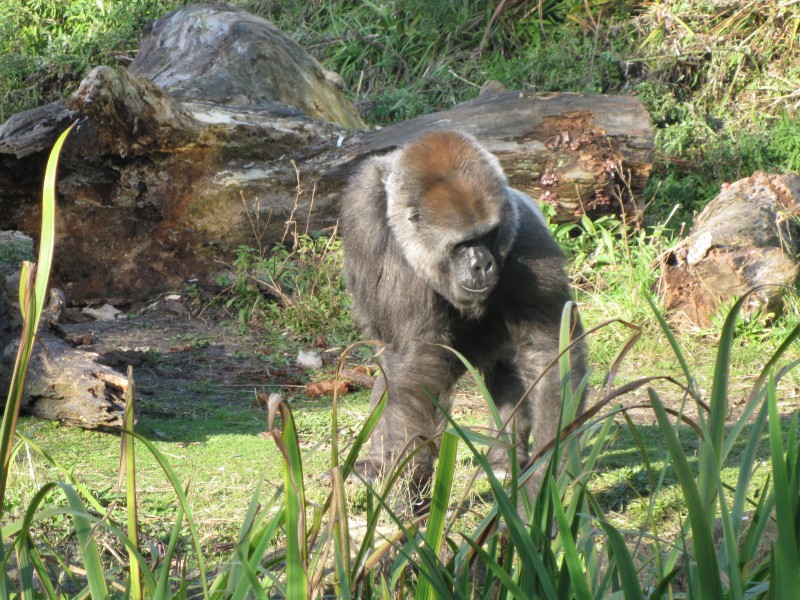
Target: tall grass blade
(494, 568)
(232, 576)
(747, 461)
(65, 472)
(296, 549)
(785, 554)
(729, 557)
(184, 504)
(710, 462)
(95, 575)
(250, 575)
(440, 500)
(618, 550)
(128, 468)
(48, 231)
(341, 535)
(11, 413)
(759, 520)
(676, 349)
(162, 585)
(33, 285)
(758, 391)
(43, 575)
(710, 583)
(362, 437)
(577, 578)
(529, 555)
(24, 543)
(258, 548)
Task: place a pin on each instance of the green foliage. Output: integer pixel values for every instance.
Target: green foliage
(395, 106)
(567, 59)
(47, 46)
(404, 58)
(659, 99)
(298, 288)
(785, 144)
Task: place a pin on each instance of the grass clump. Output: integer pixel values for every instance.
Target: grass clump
(300, 288)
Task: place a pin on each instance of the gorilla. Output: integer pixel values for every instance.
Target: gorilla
(440, 252)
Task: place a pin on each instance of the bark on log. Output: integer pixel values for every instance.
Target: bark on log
(746, 238)
(227, 56)
(68, 385)
(155, 191)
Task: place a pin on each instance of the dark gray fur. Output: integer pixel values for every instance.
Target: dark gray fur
(512, 336)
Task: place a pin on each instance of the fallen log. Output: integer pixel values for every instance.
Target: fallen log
(68, 385)
(158, 185)
(745, 239)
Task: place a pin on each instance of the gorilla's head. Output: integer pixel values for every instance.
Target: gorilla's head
(450, 209)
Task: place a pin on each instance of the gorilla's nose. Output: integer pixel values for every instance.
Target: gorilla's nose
(481, 260)
(482, 266)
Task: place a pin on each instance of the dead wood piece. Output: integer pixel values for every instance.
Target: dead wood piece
(357, 378)
(746, 238)
(326, 387)
(68, 385)
(34, 130)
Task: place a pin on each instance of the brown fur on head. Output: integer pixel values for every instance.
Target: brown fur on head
(454, 177)
(445, 189)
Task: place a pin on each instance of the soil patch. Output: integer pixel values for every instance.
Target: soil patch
(178, 357)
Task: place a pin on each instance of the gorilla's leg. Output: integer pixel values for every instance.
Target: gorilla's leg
(546, 406)
(415, 373)
(507, 389)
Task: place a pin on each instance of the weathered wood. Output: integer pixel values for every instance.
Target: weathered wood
(158, 189)
(746, 238)
(228, 56)
(68, 385)
(128, 115)
(34, 130)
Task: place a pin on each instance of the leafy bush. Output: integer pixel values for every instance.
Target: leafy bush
(299, 288)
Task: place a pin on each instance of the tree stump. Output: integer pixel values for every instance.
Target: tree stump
(746, 238)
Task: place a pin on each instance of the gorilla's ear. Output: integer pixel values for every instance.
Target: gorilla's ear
(509, 225)
(525, 203)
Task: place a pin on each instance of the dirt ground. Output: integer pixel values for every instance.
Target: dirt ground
(174, 352)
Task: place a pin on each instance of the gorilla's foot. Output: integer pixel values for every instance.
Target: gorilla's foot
(367, 470)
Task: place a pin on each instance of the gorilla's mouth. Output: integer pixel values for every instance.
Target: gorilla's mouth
(482, 290)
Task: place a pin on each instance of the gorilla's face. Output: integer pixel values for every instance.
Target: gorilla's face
(475, 268)
(451, 211)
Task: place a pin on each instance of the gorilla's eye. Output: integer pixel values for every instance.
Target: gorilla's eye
(414, 216)
(490, 239)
